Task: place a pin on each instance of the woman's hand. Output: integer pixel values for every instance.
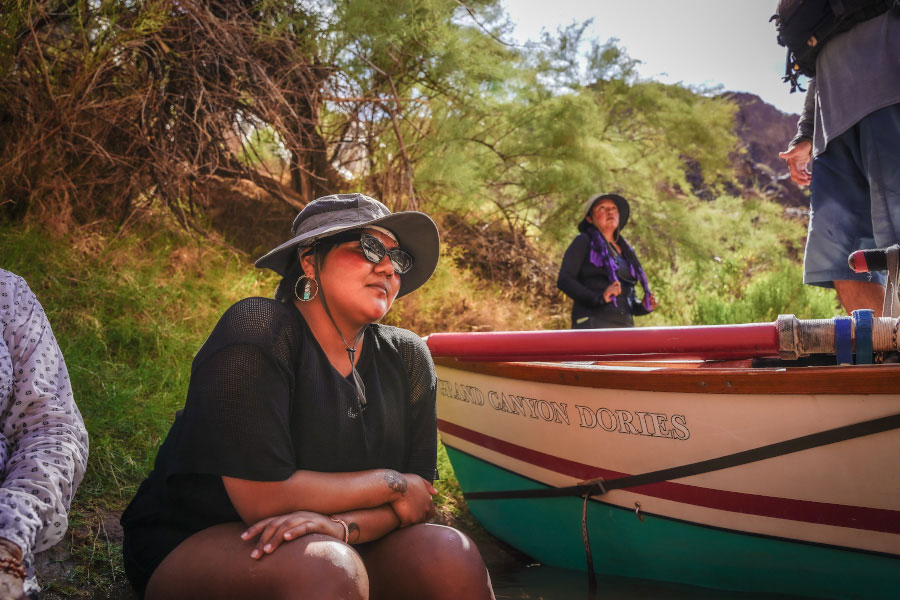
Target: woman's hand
(284, 528)
(653, 302)
(614, 289)
(414, 504)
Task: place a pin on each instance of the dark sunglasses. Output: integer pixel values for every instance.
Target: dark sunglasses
(374, 251)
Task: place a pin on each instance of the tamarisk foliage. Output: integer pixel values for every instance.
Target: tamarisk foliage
(105, 104)
(108, 104)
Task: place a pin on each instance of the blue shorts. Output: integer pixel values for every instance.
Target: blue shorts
(855, 198)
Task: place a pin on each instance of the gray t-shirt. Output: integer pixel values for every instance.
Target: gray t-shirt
(857, 73)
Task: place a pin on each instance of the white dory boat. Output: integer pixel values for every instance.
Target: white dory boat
(758, 475)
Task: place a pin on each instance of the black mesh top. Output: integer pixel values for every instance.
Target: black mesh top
(263, 402)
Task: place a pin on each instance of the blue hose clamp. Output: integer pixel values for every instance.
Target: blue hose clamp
(862, 319)
(843, 340)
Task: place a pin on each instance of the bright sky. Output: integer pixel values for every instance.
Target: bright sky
(695, 42)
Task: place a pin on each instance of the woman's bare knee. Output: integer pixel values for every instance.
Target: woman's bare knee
(456, 560)
(324, 568)
(215, 563)
(436, 561)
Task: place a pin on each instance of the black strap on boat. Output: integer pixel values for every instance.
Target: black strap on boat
(599, 487)
(588, 555)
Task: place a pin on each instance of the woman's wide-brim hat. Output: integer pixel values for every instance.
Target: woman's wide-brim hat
(416, 233)
(621, 204)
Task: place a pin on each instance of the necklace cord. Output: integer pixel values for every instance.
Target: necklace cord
(351, 350)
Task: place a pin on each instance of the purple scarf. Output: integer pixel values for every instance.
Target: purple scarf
(600, 256)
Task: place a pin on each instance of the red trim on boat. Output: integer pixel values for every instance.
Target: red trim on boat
(807, 511)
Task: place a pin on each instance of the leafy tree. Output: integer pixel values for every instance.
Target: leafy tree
(108, 103)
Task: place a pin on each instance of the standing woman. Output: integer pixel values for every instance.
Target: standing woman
(600, 269)
(302, 463)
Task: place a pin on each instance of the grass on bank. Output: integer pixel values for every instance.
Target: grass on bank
(129, 313)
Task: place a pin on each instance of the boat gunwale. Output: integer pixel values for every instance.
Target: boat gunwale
(671, 377)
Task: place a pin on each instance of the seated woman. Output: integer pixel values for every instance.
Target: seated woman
(302, 463)
(600, 270)
(43, 442)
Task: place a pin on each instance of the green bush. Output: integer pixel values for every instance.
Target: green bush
(767, 295)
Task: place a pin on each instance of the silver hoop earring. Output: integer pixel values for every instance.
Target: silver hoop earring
(310, 288)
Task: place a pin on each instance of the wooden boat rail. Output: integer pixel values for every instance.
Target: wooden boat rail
(858, 379)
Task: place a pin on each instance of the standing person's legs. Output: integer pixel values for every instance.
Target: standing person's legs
(854, 295)
(840, 223)
(426, 562)
(215, 563)
(878, 138)
(879, 142)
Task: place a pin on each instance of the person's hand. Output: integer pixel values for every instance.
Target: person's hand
(11, 587)
(798, 158)
(284, 528)
(614, 289)
(415, 504)
(653, 302)
(11, 582)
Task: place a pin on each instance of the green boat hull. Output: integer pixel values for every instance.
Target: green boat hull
(663, 549)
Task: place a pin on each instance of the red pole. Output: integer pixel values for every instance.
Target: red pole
(750, 340)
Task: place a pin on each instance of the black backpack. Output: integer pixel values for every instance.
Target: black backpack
(804, 26)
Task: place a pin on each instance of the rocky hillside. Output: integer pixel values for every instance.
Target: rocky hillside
(766, 131)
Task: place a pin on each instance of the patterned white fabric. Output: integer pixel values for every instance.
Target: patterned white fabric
(43, 441)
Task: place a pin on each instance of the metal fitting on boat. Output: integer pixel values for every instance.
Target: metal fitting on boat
(801, 338)
(786, 326)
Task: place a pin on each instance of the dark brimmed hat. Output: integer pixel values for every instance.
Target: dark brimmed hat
(323, 217)
(621, 204)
